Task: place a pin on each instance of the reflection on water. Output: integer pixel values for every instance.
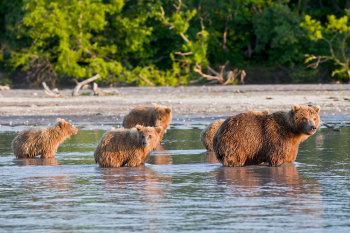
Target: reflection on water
(180, 188)
(36, 161)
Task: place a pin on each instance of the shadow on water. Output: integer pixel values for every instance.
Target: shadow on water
(180, 188)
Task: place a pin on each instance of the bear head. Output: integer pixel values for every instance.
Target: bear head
(305, 119)
(66, 127)
(163, 116)
(149, 136)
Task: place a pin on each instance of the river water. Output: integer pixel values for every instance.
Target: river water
(181, 188)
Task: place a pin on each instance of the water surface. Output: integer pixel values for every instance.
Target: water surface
(181, 188)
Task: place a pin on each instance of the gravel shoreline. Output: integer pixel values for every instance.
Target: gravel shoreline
(201, 104)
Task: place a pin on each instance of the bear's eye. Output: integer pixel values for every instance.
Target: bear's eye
(315, 119)
(150, 136)
(304, 119)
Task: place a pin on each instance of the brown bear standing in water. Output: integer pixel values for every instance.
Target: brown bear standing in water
(208, 132)
(248, 139)
(44, 141)
(127, 146)
(152, 116)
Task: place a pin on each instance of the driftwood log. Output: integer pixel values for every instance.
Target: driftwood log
(81, 84)
(219, 76)
(330, 127)
(4, 88)
(51, 93)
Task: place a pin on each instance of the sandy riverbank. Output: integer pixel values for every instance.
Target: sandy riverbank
(202, 104)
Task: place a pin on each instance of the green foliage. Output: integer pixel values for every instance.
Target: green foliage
(303, 75)
(277, 28)
(335, 34)
(313, 26)
(159, 42)
(63, 33)
(150, 76)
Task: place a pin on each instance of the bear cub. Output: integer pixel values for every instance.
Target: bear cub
(130, 147)
(45, 141)
(248, 139)
(208, 133)
(149, 116)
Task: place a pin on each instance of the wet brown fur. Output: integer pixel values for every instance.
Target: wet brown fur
(125, 146)
(266, 112)
(248, 139)
(149, 116)
(208, 132)
(44, 141)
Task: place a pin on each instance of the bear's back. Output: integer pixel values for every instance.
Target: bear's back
(242, 134)
(139, 116)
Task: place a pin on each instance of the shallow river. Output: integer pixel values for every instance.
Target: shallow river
(181, 188)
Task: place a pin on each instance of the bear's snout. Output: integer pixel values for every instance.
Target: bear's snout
(158, 123)
(311, 129)
(75, 131)
(144, 142)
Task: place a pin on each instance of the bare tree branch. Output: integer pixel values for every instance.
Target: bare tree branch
(243, 74)
(330, 127)
(219, 77)
(184, 54)
(146, 80)
(332, 51)
(171, 26)
(50, 93)
(178, 7)
(224, 40)
(79, 85)
(344, 55)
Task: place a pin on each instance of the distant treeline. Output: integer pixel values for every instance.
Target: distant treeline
(174, 42)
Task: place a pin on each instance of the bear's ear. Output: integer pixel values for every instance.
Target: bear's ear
(266, 112)
(139, 127)
(61, 122)
(317, 109)
(168, 110)
(159, 129)
(295, 107)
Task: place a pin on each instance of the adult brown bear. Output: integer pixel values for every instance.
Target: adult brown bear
(248, 139)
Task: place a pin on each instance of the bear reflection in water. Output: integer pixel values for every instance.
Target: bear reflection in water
(209, 157)
(160, 156)
(141, 184)
(283, 181)
(52, 161)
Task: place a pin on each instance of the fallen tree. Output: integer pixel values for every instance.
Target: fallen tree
(51, 93)
(81, 84)
(219, 77)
